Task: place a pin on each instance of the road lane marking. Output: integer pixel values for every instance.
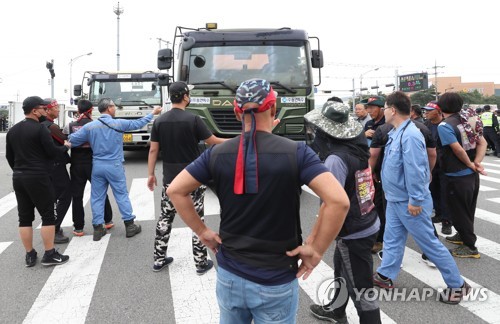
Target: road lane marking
(7, 203)
(486, 309)
(4, 245)
(193, 296)
(488, 216)
(143, 203)
(212, 206)
(67, 293)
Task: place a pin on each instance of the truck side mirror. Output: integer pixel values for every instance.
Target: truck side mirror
(77, 90)
(317, 59)
(165, 59)
(163, 79)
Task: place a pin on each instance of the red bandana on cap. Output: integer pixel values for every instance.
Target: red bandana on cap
(433, 105)
(52, 104)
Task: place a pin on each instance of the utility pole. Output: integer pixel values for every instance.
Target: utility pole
(118, 11)
(160, 40)
(435, 67)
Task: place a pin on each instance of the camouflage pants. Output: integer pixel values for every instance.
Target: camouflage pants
(164, 227)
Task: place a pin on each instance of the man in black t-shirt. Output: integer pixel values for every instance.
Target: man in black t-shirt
(30, 151)
(177, 134)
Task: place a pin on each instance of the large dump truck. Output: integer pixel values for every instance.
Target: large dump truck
(216, 61)
(135, 94)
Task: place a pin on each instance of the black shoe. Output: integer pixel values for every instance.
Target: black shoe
(453, 296)
(31, 258)
(131, 229)
(427, 261)
(201, 270)
(323, 313)
(99, 232)
(446, 228)
(455, 239)
(54, 258)
(436, 219)
(60, 238)
(163, 265)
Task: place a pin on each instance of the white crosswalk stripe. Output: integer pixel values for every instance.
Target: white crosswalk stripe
(68, 291)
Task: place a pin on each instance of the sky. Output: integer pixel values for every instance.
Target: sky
(356, 37)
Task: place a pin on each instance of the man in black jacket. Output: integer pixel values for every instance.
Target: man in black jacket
(58, 171)
(30, 152)
(81, 172)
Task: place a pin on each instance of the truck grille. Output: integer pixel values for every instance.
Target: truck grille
(225, 120)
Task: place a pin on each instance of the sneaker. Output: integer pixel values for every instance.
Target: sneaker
(446, 228)
(453, 296)
(465, 252)
(163, 265)
(60, 238)
(436, 219)
(378, 246)
(382, 283)
(109, 225)
(132, 229)
(427, 261)
(78, 232)
(455, 239)
(99, 232)
(54, 258)
(201, 270)
(325, 314)
(31, 258)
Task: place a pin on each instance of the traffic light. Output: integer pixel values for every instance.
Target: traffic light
(50, 67)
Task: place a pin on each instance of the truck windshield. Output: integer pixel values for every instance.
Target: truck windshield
(126, 93)
(235, 64)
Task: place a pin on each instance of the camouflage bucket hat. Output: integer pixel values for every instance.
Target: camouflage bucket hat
(334, 120)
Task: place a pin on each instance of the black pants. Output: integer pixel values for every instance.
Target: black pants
(492, 138)
(62, 192)
(353, 262)
(80, 174)
(438, 193)
(380, 203)
(462, 200)
(34, 191)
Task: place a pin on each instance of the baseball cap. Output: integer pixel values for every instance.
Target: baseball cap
(374, 101)
(258, 91)
(431, 106)
(178, 89)
(32, 102)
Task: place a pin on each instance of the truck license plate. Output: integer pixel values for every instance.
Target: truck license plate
(127, 137)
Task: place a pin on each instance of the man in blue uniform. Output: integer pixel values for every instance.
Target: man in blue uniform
(406, 177)
(105, 136)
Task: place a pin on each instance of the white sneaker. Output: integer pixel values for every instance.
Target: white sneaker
(427, 261)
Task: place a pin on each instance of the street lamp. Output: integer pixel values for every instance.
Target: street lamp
(71, 75)
(361, 81)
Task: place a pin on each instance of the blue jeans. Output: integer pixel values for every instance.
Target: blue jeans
(241, 300)
(110, 173)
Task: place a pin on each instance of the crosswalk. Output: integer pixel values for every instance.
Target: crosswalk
(70, 293)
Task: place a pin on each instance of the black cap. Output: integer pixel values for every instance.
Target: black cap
(32, 102)
(178, 89)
